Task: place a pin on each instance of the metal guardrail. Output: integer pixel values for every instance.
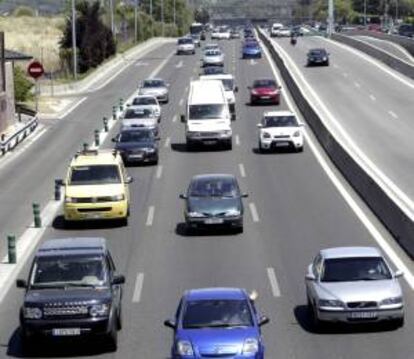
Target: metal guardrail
(9, 143)
(388, 212)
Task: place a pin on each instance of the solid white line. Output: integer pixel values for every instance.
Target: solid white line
(138, 288)
(253, 211)
(181, 102)
(273, 282)
(375, 233)
(150, 217)
(174, 119)
(357, 85)
(167, 142)
(393, 114)
(186, 89)
(372, 97)
(159, 172)
(180, 64)
(237, 138)
(345, 74)
(336, 66)
(242, 170)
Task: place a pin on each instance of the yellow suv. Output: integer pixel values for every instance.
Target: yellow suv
(96, 187)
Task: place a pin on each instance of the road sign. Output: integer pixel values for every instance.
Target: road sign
(35, 69)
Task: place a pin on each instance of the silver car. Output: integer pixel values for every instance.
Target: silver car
(155, 87)
(140, 117)
(353, 285)
(213, 58)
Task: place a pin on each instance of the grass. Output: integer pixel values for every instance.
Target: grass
(35, 36)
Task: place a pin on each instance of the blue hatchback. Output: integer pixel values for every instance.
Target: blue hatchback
(217, 322)
(251, 49)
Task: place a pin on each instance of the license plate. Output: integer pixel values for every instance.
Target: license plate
(93, 215)
(364, 315)
(137, 156)
(265, 97)
(211, 142)
(213, 221)
(281, 144)
(65, 332)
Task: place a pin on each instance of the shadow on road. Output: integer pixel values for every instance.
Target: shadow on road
(59, 223)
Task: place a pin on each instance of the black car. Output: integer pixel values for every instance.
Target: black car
(137, 145)
(213, 70)
(318, 57)
(406, 30)
(213, 200)
(73, 291)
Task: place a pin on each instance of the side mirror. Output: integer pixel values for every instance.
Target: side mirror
(128, 104)
(119, 279)
(259, 125)
(60, 182)
(236, 89)
(129, 179)
(169, 323)
(263, 320)
(301, 125)
(21, 283)
(398, 274)
(249, 87)
(182, 196)
(182, 118)
(279, 87)
(157, 138)
(233, 117)
(114, 139)
(310, 276)
(244, 195)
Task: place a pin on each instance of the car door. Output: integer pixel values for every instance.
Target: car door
(316, 268)
(116, 289)
(125, 182)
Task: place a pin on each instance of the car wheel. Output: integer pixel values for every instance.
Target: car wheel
(261, 149)
(27, 342)
(229, 145)
(119, 319)
(112, 339)
(123, 222)
(155, 162)
(398, 323)
(67, 224)
(327, 63)
(299, 149)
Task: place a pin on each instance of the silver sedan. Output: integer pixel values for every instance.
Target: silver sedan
(353, 285)
(155, 87)
(213, 58)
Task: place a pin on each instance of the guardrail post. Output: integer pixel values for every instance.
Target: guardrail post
(114, 112)
(121, 104)
(11, 247)
(58, 192)
(85, 147)
(3, 137)
(36, 215)
(105, 123)
(97, 138)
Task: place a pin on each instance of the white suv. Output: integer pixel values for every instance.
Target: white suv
(280, 130)
(185, 45)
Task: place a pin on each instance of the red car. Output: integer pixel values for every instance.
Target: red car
(265, 91)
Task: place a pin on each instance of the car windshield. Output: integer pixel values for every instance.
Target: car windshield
(138, 113)
(206, 112)
(354, 269)
(264, 83)
(279, 121)
(214, 187)
(153, 83)
(251, 44)
(217, 314)
(185, 41)
(228, 84)
(144, 101)
(136, 136)
(320, 52)
(94, 174)
(212, 53)
(50, 271)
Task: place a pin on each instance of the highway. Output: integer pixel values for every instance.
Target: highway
(292, 211)
(374, 108)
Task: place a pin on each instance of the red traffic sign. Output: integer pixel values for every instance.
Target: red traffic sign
(35, 69)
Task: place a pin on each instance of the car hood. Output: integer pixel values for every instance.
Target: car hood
(376, 290)
(208, 125)
(264, 90)
(153, 91)
(67, 296)
(218, 342)
(97, 190)
(134, 145)
(280, 131)
(213, 205)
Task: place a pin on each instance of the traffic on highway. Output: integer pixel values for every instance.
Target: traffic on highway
(208, 222)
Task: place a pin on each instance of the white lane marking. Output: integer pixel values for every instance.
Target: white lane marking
(253, 211)
(139, 282)
(167, 142)
(393, 114)
(174, 119)
(253, 62)
(195, 71)
(140, 63)
(336, 66)
(242, 170)
(273, 282)
(65, 113)
(237, 139)
(180, 64)
(150, 216)
(159, 172)
(186, 89)
(191, 78)
(345, 74)
(181, 102)
(357, 85)
(372, 97)
(375, 233)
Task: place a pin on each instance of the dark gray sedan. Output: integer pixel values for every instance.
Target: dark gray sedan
(213, 200)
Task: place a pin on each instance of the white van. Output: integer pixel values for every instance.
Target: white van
(229, 88)
(207, 119)
(276, 27)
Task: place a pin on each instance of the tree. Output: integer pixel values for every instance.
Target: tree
(201, 15)
(22, 85)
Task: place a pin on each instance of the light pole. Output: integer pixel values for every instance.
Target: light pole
(174, 13)
(162, 18)
(152, 19)
(136, 21)
(111, 9)
(365, 13)
(330, 17)
(74, 46)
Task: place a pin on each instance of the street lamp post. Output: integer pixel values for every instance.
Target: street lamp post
(111, 9)
(365, 13)
(162, 18)
(74, 46)
(175, 13)
(330, 17)
(136, 21)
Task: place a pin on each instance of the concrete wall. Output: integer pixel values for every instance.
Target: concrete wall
(3, 112)
(7, 104)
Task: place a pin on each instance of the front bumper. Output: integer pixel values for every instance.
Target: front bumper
(209, 140)
(265, 98)
(256, 55)
(213, 63)
(95, 211)
(273, 144)
(140, 157)
(348, 316)
(208, 222)
(186, 51)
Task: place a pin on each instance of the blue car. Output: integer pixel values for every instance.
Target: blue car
(217, 322)
(251, 50)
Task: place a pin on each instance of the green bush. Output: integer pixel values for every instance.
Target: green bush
(22, 85)
(23, 11)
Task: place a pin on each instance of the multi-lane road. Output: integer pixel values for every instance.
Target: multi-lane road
(294, 209)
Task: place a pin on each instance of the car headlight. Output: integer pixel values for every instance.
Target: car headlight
(195, 214)
(254, 92)
(99, 310)
(149, 150)
(324, 58)
(118, 197)
(232, 212)
(332, 303)
(225, 133)
(185, 348)
(393, 300)
(32, 313)
(296, 134)
(70, 199)
(266, 135)
(250, 346)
